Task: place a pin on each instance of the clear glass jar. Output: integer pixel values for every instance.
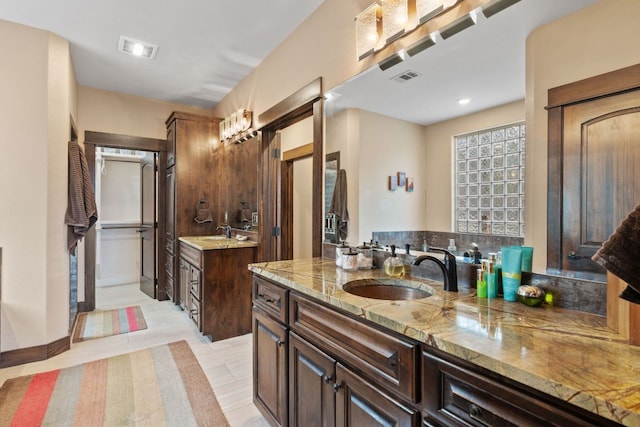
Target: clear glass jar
(341, 249)
(365, 257)
(350, 261)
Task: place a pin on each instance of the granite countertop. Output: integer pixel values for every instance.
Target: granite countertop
(567, 354)
(206, 243)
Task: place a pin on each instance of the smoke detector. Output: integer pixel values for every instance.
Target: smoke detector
(406, 76)
(137, 47)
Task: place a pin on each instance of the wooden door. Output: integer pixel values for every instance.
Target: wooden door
(148, 272)
(360, 404)
(270, 368)
(312, 400)
(601, 173)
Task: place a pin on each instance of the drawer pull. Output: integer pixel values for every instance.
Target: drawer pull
(475, 412)
(392, 361)
(193, 282)
(336, 387)
(265, 298)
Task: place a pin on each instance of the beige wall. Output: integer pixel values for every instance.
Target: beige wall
(37, 86)
(296, 135)
(438, 160)
(596, 40)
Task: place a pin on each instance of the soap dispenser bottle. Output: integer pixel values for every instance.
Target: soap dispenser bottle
(393, 266)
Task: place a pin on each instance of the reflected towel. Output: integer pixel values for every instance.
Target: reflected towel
(81, 206)
(339, 204)
(620, 255)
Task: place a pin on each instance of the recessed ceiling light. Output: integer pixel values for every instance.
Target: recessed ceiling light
(464, 101)
(137, 48)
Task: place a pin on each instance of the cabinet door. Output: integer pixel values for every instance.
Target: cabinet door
(270, 368)
(311, 379)
(184, 284)
(170, 228)
(360, 404)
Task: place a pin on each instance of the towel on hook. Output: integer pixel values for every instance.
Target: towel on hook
(339, 204)
(620, 255)
(81, 204)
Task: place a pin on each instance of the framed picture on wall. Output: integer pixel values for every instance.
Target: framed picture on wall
(402, 179)
(393, 183)
(410, 185)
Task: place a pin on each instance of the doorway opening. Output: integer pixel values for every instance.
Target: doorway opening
(148, 227)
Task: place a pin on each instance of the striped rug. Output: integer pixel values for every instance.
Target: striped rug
(160, 386)
(98, 324)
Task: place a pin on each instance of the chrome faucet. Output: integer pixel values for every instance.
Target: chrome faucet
(448, 267)
(227, 230)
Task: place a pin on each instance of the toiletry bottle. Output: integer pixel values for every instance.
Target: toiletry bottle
(511, 272)
(425, 245)
(452, 246)
(392, 265)
(481, 284)
(490, 277)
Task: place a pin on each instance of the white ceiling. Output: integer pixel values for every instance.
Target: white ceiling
(205, 47)
(485, 62)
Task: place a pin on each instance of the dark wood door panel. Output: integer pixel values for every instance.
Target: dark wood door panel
(601, 172)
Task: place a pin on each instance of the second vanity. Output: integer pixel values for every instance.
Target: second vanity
(214, 284)
(322, 353)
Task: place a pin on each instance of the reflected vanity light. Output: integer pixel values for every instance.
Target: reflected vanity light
(395, 15)
(367, 30)
(392, 60)
(458, 25)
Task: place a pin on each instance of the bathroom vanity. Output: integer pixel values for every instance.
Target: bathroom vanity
(216, 284)
(322, 353)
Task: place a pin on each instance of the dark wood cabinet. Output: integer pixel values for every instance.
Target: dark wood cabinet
(190, 179)
(270, 365)
(312, 385)
(459, 394)
(361, 404)
(218, 289)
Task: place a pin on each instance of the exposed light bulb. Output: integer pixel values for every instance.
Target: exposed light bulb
(137, 49)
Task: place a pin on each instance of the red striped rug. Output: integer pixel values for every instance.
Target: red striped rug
(98, 324)
(159, 386)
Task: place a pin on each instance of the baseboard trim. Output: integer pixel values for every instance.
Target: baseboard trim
(34, 354)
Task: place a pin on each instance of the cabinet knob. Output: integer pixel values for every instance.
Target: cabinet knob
(279, 343)
(336, 387)
(326, 379)
(475, 412)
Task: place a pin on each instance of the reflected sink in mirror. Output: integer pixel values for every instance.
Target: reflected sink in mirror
(388, 289)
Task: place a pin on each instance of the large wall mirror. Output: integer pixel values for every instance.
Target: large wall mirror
(403, 119)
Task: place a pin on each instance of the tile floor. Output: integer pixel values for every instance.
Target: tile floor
(226, 363)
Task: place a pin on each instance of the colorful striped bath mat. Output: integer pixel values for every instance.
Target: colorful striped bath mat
(98, 324)
(158, 386)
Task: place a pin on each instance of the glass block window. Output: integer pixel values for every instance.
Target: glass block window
(490, 181)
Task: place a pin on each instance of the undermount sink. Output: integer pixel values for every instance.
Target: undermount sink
(388, 289)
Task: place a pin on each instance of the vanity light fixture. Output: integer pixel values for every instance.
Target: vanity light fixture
(237, 127)
(491, 8)
(458, 25)
(422, 44)
(392, 60)
(135, 47)
(428, 9)
(395, 14)
(368, 24)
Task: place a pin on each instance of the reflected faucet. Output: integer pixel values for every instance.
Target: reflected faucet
(448, 267)
(227, 230)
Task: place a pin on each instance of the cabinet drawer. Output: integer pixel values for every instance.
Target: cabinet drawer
(194, 311)
(458, 396)
(195, 281)
(389, 360)
(191, 254)
(271, 298)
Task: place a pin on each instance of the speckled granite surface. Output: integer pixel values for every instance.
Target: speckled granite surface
(206, 243)
(567, 354)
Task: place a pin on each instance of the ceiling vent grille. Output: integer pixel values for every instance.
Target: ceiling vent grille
(406, 76)
(137, 47)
